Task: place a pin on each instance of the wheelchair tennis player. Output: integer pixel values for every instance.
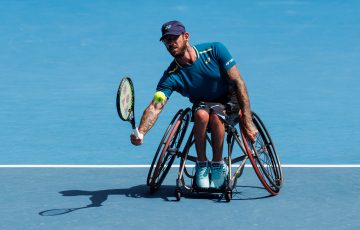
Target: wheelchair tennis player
(206, 74)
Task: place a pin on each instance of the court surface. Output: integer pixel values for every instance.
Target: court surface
(313, 198)
(60, 66)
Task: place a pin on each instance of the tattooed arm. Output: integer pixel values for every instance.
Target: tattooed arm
(244, 102)
(148, 119)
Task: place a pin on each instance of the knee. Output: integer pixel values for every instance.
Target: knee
(201, 116)
(214, 121)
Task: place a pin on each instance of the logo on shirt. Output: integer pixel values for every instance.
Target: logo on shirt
(231, 60)
(207, 61)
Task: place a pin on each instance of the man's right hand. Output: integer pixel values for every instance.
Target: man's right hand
(136, 140)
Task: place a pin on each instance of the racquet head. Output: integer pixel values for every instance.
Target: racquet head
(125, 99)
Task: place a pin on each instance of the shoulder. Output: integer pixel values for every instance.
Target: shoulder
(219, 47)
(172, 69)
(218, 51)
(210, 47)
(204, 47)
(168, 74)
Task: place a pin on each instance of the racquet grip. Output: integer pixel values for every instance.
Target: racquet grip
(136, 132)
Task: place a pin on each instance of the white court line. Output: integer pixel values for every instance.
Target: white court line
(74, 166)
(321, 166)
(176, 166)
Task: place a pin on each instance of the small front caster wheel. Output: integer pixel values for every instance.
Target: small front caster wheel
(178, 194)
(228, 195)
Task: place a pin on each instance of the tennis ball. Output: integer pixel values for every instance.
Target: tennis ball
(159, 97)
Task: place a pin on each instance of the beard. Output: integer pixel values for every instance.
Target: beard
(180, 52)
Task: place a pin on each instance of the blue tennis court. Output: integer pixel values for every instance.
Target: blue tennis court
(63, 145)
(313, 198)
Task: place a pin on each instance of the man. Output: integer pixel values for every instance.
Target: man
(207, 75)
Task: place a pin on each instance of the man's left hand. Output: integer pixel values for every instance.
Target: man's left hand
(250, 131)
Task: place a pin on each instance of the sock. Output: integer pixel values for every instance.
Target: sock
(202, 163)
(217, 163)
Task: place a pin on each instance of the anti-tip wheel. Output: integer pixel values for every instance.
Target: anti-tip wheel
(178, 194)
(228, 195)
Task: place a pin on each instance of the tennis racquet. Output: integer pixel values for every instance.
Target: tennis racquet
(125, 101)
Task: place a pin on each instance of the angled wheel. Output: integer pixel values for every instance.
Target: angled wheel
(168, 149)
(264, 159)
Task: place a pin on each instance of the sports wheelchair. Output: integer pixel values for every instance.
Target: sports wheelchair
(261, 153)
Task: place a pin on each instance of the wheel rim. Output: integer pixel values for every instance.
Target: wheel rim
(266, 155)
(169, 149)
(263, 157)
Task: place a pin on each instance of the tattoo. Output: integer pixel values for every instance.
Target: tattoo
(241, 92)
(150, 116)
(147, 121)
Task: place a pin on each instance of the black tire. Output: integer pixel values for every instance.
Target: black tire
(228, 195)
(177, 194)
(264, 159)
(168, 149)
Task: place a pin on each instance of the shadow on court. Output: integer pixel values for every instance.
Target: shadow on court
(97, 198)
(239, 193)
(166, 192)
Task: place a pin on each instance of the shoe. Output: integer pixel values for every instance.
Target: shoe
(219, 172)
(202, 175)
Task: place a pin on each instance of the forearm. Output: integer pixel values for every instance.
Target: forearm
(149, 117)
(241, 93)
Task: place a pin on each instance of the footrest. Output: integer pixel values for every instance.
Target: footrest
(209, 190)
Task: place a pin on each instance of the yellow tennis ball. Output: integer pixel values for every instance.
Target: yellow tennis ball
(159, 97)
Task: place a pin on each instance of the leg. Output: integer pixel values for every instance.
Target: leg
(217, 130)
(202, 170)
(219, 170)
(200, 126)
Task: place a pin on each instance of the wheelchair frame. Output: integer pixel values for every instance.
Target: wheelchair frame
(261, 153)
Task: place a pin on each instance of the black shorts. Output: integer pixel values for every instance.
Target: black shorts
(226, 108)
(211, 108)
